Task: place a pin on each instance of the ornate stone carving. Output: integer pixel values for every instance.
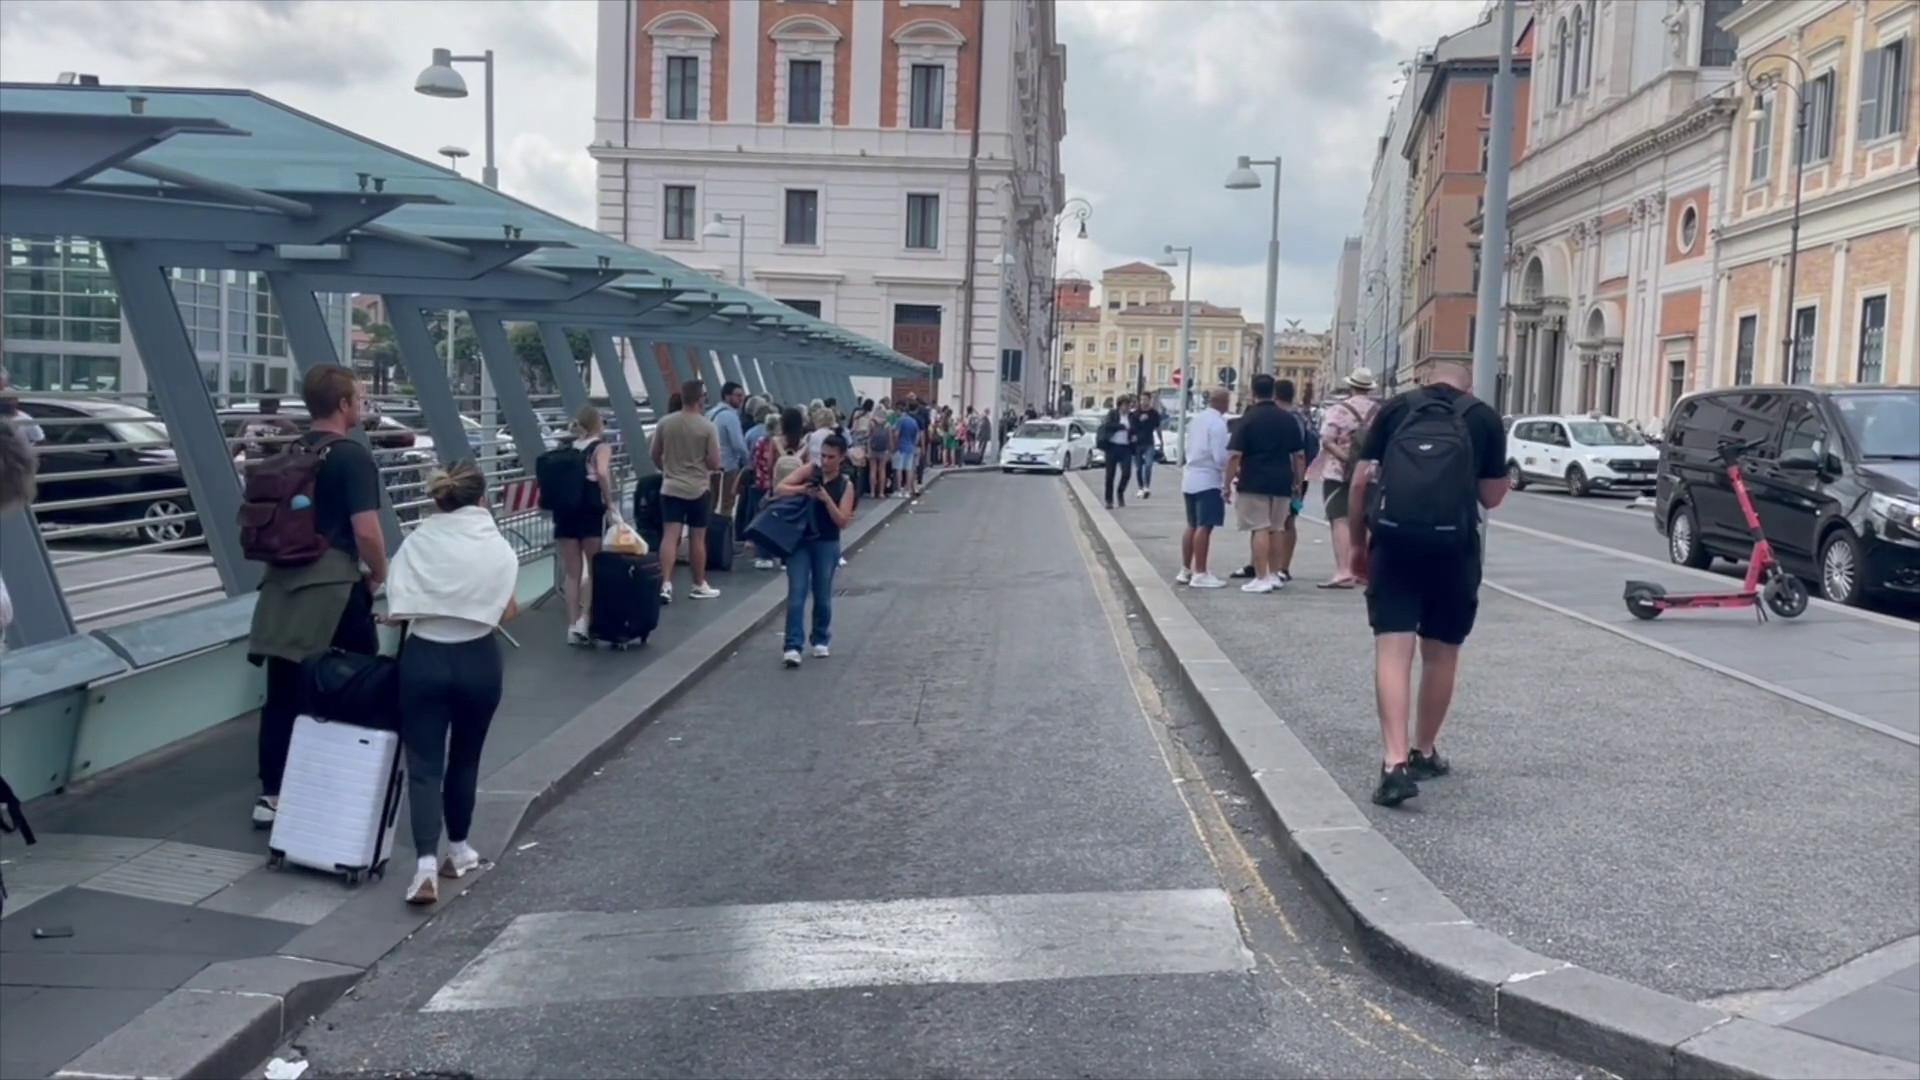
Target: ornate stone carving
(1676, 23)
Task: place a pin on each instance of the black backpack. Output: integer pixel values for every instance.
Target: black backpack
(1427, 489)
(562, 476)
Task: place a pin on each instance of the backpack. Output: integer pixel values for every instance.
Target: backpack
(278, 515)
(1427, 487)
(561, 474)
(1357, 440)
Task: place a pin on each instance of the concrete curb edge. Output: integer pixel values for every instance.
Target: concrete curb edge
(1410, 931)
(228, 1018)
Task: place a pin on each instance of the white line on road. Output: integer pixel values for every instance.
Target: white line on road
(1607, 507)
(558, 957)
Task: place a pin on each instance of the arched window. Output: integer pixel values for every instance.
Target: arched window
(1578, 51)
(1593, 37)
(1560, 58)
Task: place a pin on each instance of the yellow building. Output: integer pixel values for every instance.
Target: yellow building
(1135, 331)
(1303, 357)
(1855, 292)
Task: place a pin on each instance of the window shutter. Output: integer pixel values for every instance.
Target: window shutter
(1869, 120)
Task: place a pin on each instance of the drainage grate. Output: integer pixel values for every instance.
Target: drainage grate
(176, 873)
(857, 590)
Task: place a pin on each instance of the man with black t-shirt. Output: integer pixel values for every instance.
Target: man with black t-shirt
(1146, 443)
(1434, 457)
(1267, 455)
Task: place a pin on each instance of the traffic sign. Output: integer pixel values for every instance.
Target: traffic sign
(1228, 377)
(1176, 376)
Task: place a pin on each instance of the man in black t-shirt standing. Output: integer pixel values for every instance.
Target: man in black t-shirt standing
(1267, 455)
(1423, 580)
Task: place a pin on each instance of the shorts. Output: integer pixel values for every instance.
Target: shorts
(904, 459)
(1256, 513)
(693, 513)
(1335, 494)
(1432, 592)
(1205, 509)
(584, 523)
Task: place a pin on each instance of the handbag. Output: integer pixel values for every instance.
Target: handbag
(354, 688)
(781, 526)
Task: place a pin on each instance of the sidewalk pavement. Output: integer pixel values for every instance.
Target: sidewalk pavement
(144, 934)
(1611, 804)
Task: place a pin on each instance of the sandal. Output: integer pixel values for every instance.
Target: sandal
(1338, 583)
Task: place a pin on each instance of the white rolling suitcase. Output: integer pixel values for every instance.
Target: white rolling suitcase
(339, 800)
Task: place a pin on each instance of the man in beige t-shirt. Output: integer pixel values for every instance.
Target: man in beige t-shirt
(686, 450)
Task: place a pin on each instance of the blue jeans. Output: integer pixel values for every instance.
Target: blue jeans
(1143, 465)
(811, 568)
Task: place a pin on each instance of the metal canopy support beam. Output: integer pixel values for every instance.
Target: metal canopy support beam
(173, 371)
(759, 370)
(509, 390)
(646, 361)
(719, 376)
(682, 369)
(133, 217)
(735, 369)
(844, 392)
(566, 371)
(40, 608)
(775, 374)
(620, 396)
(427, 370)
(312, 346)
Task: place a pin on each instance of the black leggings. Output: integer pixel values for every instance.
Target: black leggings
(448, 694)
(1119, 460)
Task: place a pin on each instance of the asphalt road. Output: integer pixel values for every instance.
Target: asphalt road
(980, 840)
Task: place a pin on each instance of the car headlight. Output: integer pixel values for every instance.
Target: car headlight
(1597, 459)
(1904, 512)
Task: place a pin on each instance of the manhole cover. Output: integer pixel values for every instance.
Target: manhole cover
(857, 590)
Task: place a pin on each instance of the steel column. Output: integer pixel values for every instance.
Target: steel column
(719, 371)
(682, 368)
(779, 380)
(427, 371)
(651, 376)
(509, 390)
(40, 611)
(566, 371)
(620, 398)
(312, 346)
(173, 371)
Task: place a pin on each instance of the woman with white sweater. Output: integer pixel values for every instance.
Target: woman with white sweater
(452, 583)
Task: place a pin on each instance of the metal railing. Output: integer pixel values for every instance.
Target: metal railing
(125, 540)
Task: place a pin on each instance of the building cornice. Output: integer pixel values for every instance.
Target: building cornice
(799, 159)
(935, 280)
(1820, 206)
(1704, 118)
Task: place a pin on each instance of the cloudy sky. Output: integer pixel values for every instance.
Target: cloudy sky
(1161, 95)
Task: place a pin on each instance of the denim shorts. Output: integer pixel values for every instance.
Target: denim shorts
(1205, 509)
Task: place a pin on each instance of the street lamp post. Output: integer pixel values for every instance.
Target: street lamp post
(1760, 84)
(453, 154)
(1385, 311)
(1080, 210)
(717, 230)
(1243, 178)
(1170, 257)
(440, 80)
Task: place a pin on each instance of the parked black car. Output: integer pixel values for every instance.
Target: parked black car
(1834, 477)
(113, 459)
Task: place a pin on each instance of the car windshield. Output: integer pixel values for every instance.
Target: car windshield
(1884, 424)
(1604, 433)
(138, 432)
(1040, 431)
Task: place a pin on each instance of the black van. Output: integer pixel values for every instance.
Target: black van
(1834, 477)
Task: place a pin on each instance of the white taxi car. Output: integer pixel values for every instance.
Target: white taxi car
(1583, 453)
(1047, 445)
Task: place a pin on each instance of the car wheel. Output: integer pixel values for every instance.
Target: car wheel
(1516, 478)
(1840, 568)
(1577, 482)
(155, 529)
(1683, 539)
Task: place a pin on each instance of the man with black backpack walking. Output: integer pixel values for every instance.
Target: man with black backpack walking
(1434, 457)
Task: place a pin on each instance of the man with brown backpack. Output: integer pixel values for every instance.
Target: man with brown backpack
(312, 515)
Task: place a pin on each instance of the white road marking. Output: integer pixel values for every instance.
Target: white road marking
(575, 956)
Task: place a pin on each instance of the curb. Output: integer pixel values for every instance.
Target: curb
(229, 1018)
(1410, 931)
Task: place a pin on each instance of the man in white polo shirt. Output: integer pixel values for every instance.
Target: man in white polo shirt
(1203, 489)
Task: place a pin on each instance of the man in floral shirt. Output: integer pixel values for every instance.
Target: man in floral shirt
(1342, 433)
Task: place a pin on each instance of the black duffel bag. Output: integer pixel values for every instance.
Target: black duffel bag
(353, 688)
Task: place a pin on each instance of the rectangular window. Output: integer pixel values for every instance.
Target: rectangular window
(1113, 374)
(1883, 81)
(923, 222)
(1476, 270)
(1760, 158)
(1806, 323)
(1160, 374)
(1743, 350)
(677, 214)
(803, 91)
(1718, 48)
(1133, 344)
(1817, 144)
(683, 88)
(1165, 344)
(1873, 340)
(1220, 346)
(1473, 331)
(802, 227)
(1484, 144)
(804, 307)
(1486, 101)
(927, 97)
(1676, 382)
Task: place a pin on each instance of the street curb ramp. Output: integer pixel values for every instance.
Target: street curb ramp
(231, 1016)
(1411, 932)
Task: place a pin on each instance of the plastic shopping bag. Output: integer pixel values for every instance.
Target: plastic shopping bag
(622, 538)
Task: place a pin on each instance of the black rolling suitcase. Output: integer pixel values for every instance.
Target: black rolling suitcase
(720, 543)
(625, 605)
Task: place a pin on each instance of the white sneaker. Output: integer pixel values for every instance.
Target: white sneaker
(1279, 581)
(791, 658)
(666, 593)
(1204, 580)
(577, 633)
(820, 652)
(763, 564)
(424, 889)
(1258, 585)
(1185, 575)
(265, 809)
(703, 592)
(460, 860)
(843, 562)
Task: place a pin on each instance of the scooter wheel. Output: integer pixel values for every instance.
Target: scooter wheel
(1640, 603)
(1785, 596)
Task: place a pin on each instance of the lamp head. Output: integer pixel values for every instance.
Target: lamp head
(440, 79)
(1167, 258)
(1083, 228)
(1242, 178)
(455, 152)
(716, 229)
